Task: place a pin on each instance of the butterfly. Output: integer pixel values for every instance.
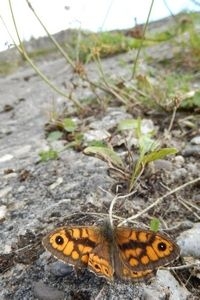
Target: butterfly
(125, 252)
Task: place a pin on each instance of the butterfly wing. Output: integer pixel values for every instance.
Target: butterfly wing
(81, 246)
(72, 245)
(142, 250)
(123, 271)
(100, 260)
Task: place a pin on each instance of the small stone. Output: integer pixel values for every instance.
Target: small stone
(162, 164)
(179, 160)
(193, 169)
(7, 249)
(189, 241)
(42, 291)
(179, 173)
(191, 150)
(56, 183)
(173, 289)
(21, 188)
(4, 192)
(96, 135)
(6, 157)
(196, 198)
(150, 293)
(195, 140)
(60, 269)
(3, 211)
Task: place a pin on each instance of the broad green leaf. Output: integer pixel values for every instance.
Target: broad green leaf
(96, 143)
(54, 135)
(147, 144)
(159, 154)
(105, 154)
(47, 155)
(155, 224)
(145, 159)
(69, 125)
(197, 99)
(127, 124)
(191, 102)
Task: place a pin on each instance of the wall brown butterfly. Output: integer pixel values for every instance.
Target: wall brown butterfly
(129, 253)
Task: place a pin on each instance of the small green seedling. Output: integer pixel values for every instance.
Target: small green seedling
(48, 155)
(154, 224)
(148, 150)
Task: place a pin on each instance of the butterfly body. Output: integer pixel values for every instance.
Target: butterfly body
(129, 253)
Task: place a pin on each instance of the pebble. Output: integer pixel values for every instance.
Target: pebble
(147, 126)
(6, 157)
(165, 286)
(178, 174)
(162, 164)
(42, 291)
(179, 160)
(150, 293)
(191, 150)
(21, 189)
(56, 183)
(4, 192)
(195, 140)
(60, 269)
(189, 241)
(175, 291)
(3, 211)
(100, 135)
(193, 169)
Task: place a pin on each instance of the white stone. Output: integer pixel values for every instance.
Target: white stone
(56, 183)
(195, 140)
(167, 281)
(4, 192)
(189, 241)
(6, 157)
(96, 135)
(3, 211)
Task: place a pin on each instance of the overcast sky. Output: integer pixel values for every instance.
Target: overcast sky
(94, 15)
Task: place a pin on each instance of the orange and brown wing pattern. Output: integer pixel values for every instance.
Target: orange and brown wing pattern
(133, 254)
(72, 245)
(100, 259)
(127, 274)
(144, 250)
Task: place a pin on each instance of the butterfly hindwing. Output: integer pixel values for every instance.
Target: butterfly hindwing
(142, 250)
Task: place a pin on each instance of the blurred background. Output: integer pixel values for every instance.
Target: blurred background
(98, 15)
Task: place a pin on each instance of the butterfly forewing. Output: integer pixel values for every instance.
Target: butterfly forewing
(72, 245)
(142, 250)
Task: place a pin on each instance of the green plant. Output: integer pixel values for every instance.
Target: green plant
(148, 151)
(154, 224)
(48, 155)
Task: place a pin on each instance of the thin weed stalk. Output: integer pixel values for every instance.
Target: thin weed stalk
(160, 199)
(142, 41)
(68, 59)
